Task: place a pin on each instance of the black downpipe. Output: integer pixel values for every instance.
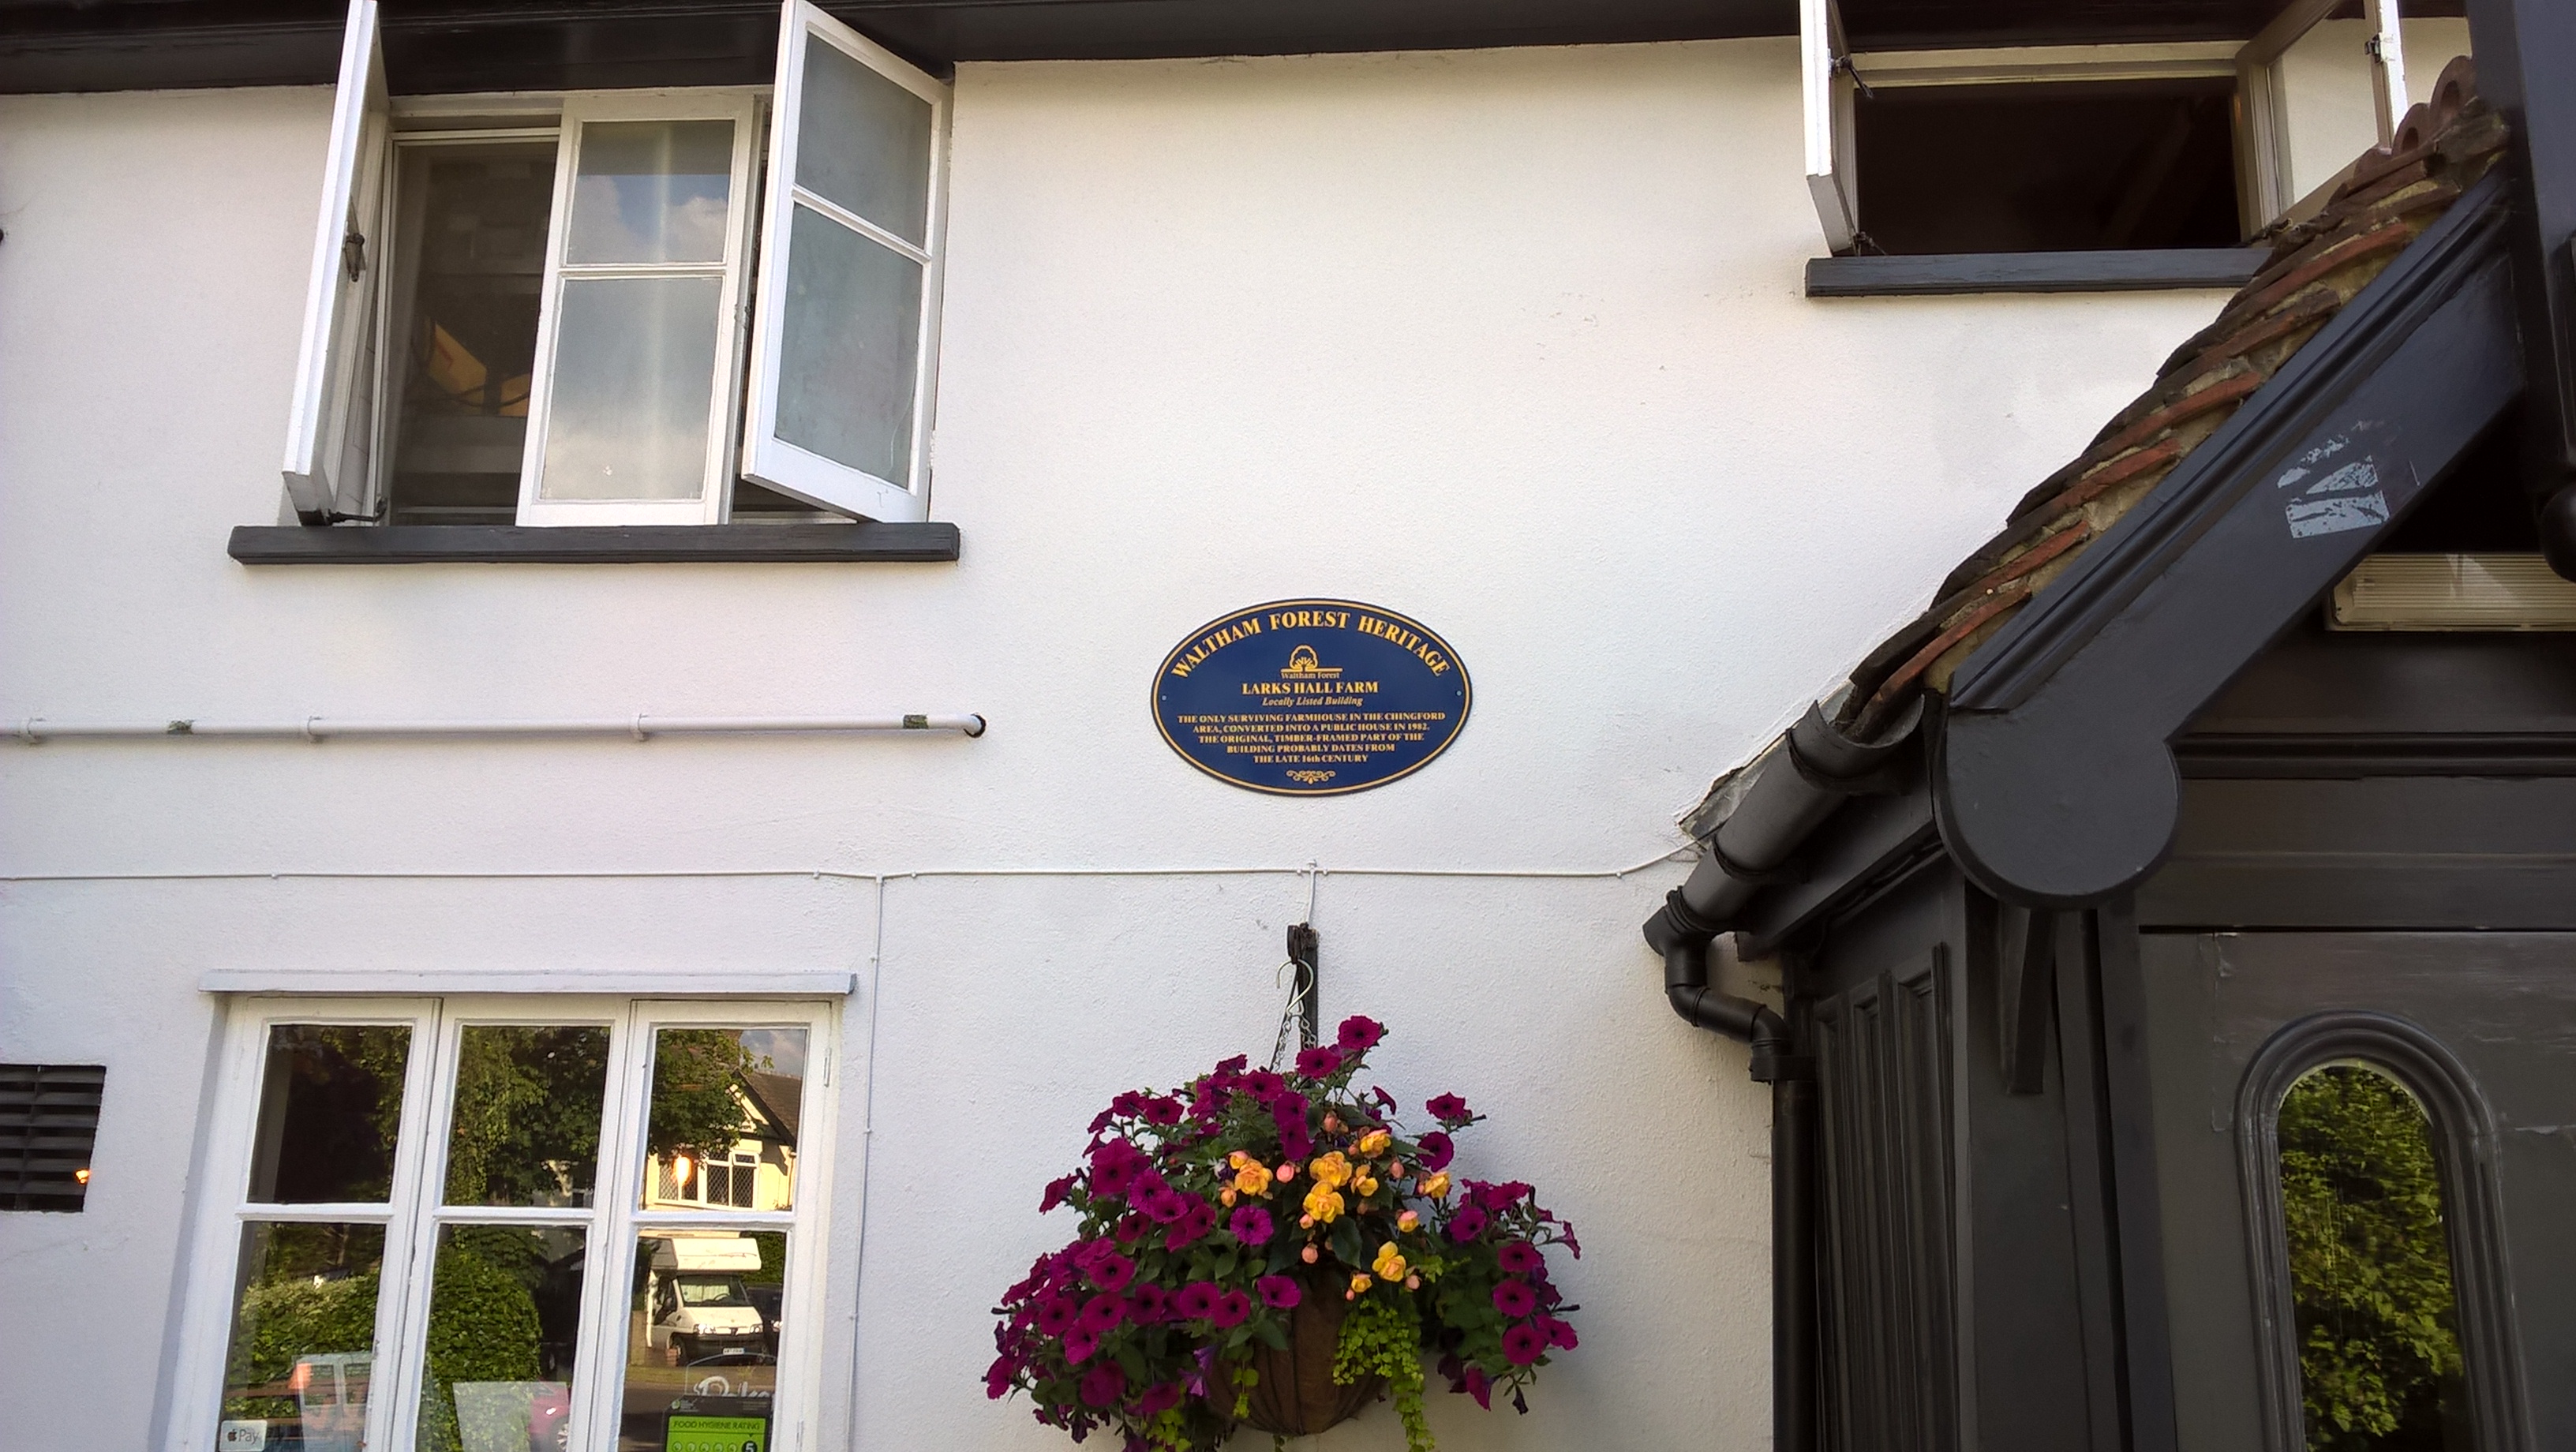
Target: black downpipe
(1770, 808)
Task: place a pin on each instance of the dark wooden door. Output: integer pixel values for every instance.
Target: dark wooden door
(2480, 1028)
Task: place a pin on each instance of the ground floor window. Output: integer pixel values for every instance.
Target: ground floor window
(537, 1224)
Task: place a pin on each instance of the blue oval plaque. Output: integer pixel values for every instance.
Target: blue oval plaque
(1311, 698)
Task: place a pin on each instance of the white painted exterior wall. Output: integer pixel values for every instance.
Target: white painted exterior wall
(2327, 79)
(1510, 341)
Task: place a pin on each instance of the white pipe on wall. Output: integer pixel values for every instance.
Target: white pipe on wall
(35, 730)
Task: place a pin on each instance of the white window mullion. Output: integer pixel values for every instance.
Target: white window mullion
(1827, 93)
(601, 1360)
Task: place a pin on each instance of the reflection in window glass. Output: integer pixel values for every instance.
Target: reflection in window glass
(2370, 1267)
(504, 1322)
(470, 260)
(722, 1129)
(303, 1338)
(526, 1127)
(634, 378)
(651, 191)
(867, 143)
(702, 1344)
(330, 1101)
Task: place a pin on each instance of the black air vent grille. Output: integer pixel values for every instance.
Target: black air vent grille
(48, 1122)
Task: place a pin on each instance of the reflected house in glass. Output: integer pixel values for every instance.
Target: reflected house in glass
(755, 1171)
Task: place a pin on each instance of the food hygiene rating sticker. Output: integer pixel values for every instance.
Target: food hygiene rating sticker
(1311, 698)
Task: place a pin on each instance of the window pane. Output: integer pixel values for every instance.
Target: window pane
(849, 347)
(504, 1320)
(722, 1130)
(863, 142)
(329, 1105)
(2370, 1267)
(470, 264)
(303, 1339)
(702, 1343)
(526, 1128)
(634, 378)
(651, 191)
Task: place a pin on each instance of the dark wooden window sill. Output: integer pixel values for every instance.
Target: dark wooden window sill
(1956, 273)
(635, 544)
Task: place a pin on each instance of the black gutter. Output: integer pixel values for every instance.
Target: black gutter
(1765, 812)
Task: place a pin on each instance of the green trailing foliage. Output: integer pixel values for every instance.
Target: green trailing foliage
(1382, 1336)
(2370, 1268)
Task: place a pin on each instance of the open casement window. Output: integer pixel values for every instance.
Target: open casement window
(840, 387)
(631, 406)
(2265, 187)
(330, 441)
(1829, 88)
(439, 1225)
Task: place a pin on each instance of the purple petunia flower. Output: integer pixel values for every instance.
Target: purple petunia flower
(997, 1377)
(1162, 1109)
(1437, 1150)
(1278, 1292)
(1056, 1315)
(1559, 1334)
(1167, 1206)
(1318, 1062)
(1102, 1313)
(1515, 1298)
(1565, 1237)
(1160, 1397)
(1523, 1344)
(1056, 1190)
(1148, 1303)
(1112, 1272)
(1288, 1111)
(1358, 1034)
(1103, 1385)
(1251, 1224)
(1114, 1167)
(1479, 1386)
(1497, 1197)
(1197, 1219)
(1230, 1310)
(1520, 1257)
(1449, 1109)
(1467, 1224)
(1196, 1302)
(1142, 1189)
(1079, 1344)
(1263, 1085)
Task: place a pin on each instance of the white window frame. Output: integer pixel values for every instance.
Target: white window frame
(331, 430)
(415, 1210)
(715, 479)
(767, 459)
(2263, 140)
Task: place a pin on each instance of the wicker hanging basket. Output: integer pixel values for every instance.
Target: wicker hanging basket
(1297, 1396)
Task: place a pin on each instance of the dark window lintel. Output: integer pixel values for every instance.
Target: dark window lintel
(637, 544)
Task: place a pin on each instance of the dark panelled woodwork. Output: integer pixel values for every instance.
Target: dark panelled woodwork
(48, 1124)
(1883, 1062)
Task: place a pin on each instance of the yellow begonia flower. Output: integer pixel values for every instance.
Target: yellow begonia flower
(1408, 1221)
(1390, 1265)
(1365, 1185)
(1331, 1171)
(1237, 1160)
(1252, 1178)
(1437, 1187)
(1359, 1284)
(1374, 1142)
(1324, 1203)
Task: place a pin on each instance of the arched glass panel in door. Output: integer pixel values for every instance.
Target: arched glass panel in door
(2369, 1264)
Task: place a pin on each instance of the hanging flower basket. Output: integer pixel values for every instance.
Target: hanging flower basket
(1275, 1250)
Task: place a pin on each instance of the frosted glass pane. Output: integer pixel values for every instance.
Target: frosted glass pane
(651, 191)
(850, 342)
(863, 142)
(635, 361)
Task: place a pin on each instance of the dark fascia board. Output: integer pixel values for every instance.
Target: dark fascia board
(457, 46)
(2057, 785)
(1949, 275)
(501, 544)
(1866, 844)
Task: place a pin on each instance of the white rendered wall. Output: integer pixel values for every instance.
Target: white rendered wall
(2327, 78)
(1509, 341)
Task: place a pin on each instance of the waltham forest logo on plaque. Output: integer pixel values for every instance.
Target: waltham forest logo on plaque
(1311, 698)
